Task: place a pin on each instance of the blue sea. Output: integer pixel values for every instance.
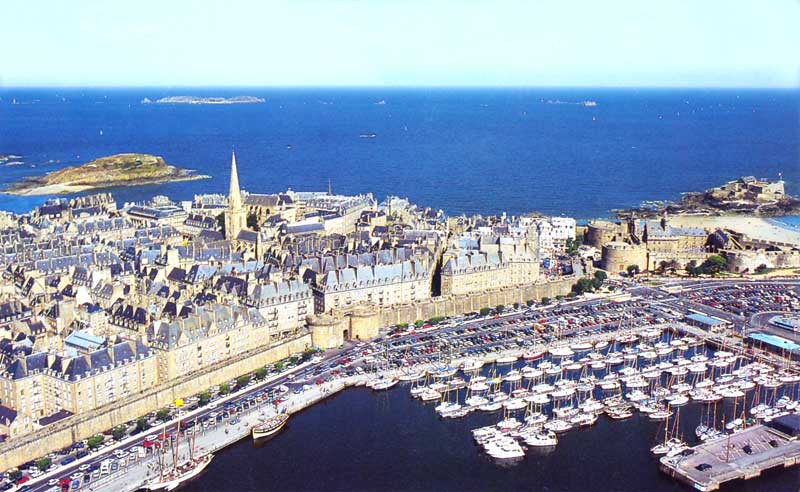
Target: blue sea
(461, 150)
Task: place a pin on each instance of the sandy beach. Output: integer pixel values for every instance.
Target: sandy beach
(754, 227)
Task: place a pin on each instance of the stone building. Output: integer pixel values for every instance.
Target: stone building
(474, 271)
(41, 384)
(617, 255)
(211, 335)
(384, 278)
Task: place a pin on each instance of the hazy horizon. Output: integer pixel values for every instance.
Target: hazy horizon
(447, 43)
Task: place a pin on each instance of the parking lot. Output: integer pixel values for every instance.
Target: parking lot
(748, 299)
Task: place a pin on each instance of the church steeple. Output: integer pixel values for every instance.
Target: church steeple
(234, 194)
(234, 216)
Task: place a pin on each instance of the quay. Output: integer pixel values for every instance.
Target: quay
(219, 435)
(742, 455)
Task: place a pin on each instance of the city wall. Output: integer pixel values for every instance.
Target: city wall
(456, 305)
(362, 322)
(78, 427)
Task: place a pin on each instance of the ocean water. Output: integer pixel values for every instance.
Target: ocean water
(362, 441)
(791, 222)
(464, 151)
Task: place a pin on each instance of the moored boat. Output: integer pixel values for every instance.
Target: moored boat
(269, 427)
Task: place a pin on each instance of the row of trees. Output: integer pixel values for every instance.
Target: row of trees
(585, 285)
(713, 265)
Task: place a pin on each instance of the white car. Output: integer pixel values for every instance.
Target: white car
(76, 476)
(52, 481)
(84, 467)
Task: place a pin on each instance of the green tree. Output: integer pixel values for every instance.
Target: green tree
(632, 270)
(242, 381)
(600, 275)
(762, 268)
(117, 432)
(485, 311)
(279, 366)
(418, 323)
(436, 320)
(141, 424)
(530, 302)
(582, 286)
(545, 301)
(714, 264)
(95, 441)
(203, 398)
(43, 463)
(516, 305)
(261, 373)
(572, 245)
(224, 388)
(221, 221)
(15, 474)
(499, 308)
(163, 414)
(402, 326)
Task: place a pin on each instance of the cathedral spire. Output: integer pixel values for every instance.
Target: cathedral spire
(234, 194)
(234, 216)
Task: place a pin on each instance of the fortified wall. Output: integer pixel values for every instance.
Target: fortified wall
(740, 261)
(363, 322)
(81, 426)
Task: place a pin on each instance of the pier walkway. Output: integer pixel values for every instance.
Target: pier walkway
(218, 435)
(741, 455)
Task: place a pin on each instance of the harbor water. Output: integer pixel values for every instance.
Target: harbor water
(360, 440)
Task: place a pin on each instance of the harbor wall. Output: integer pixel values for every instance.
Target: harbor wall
(363, 322)
(82, 426)
(457, 305)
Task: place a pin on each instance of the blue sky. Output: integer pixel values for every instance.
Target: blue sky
(708, 43)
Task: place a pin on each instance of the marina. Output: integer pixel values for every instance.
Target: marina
(524, 390)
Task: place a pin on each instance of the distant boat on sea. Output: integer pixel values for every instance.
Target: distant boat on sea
(381, 103)
(368, 135)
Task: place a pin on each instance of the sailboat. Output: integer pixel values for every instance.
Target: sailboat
(671, 445)
(179, 473)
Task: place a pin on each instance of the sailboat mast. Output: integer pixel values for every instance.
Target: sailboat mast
(177, 444)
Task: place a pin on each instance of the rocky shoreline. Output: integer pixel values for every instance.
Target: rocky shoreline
(745, 196)
(105, 172)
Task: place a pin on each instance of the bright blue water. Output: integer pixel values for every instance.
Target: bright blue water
(791, 222)
(461, 150)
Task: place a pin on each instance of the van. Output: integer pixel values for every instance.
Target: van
(105, 467)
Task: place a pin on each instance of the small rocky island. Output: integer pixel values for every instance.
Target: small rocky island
(744, 196)
(205, 100)
(105, 172)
